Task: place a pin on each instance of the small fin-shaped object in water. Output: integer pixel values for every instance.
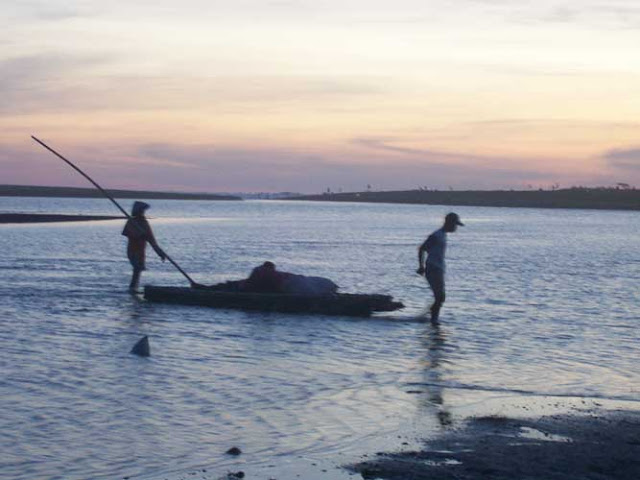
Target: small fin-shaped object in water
(142, 347)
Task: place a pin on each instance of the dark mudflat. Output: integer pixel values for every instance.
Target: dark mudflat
(49, 217)
(595, 446)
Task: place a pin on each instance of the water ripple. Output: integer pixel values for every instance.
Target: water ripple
(524, 317)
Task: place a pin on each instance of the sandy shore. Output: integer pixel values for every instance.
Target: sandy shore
(46, 218)
(584, 444)
(596, 445)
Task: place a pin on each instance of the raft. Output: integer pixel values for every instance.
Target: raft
(340, 304)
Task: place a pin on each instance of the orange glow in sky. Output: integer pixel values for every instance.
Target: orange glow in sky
(308, 95)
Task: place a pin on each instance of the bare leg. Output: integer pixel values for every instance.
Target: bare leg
(435, 308)
(135, 280)
(435, 277)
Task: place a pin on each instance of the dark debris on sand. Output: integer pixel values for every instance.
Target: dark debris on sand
(597, 446)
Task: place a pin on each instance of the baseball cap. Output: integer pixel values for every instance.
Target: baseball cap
(453, 218)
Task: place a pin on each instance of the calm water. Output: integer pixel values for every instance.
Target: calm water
(540, 303)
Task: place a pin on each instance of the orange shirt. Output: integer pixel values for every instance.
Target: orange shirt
(138, 231)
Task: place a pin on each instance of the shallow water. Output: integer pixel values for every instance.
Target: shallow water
(539, 303)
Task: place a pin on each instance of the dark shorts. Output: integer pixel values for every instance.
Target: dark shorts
(137, 261)
(435, 277)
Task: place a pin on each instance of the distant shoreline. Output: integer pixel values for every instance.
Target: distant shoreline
(572, 198)
(49, 218)
(75, 192)
(580, 198)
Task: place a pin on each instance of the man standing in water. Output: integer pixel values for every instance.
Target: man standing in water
(435, 245)
(138, 231)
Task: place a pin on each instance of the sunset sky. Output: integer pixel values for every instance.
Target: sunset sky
(247, 95)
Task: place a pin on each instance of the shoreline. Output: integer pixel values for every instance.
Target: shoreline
(571, 198)
(12, 218)
(556, 440)
(596, 444)
(627, 199)
(79, 192)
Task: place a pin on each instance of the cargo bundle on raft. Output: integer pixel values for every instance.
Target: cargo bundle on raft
(337, 304)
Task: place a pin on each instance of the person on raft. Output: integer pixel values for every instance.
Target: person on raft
(266, 278)
(433, 269)
(139, 233)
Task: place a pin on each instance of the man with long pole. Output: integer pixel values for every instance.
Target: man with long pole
(106, 194)
(139, 233)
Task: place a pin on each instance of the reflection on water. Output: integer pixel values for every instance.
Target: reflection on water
(434, 343)
(524, 315)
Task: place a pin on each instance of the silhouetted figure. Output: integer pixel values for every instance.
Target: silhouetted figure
(433, 269)
(266, 278)
(138, 231)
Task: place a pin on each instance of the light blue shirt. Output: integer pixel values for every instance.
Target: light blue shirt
(437, 246)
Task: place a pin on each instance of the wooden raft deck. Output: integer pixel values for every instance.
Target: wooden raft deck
(340, 304)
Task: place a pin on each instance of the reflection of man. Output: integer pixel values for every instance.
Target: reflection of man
(434, 342)
(435, 245)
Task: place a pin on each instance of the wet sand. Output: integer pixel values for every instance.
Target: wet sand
(47, 218)
(582, 444)
(595, 445)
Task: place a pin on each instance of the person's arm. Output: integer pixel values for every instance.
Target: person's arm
(425, 247)
(152, 241)
(421, 250)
